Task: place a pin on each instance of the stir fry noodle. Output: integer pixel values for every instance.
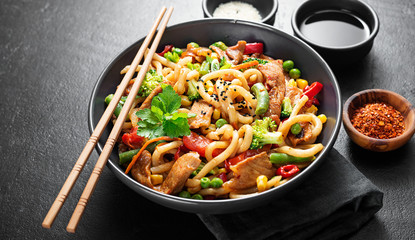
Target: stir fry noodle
(219, 122)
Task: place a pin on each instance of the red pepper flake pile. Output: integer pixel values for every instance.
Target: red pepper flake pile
(378, 120)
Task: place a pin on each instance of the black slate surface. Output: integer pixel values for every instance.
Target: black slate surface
(52, 53)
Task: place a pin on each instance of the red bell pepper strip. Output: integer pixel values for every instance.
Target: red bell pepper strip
(180, 151)
(313, 90)
(198, 143)
(287, 171)
(167, 48)
(251, 48)
(132, 139)
(223, 177)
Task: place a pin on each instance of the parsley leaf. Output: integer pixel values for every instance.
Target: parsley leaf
(162, 119)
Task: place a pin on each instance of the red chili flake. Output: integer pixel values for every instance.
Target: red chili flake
(378, 120)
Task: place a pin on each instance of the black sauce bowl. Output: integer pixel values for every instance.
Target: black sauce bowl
(342, 55)
(266, 8)
(206, 31)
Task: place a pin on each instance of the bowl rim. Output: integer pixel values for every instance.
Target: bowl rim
(371, 37)
(263, 20)
(266, 194)
(348, 124)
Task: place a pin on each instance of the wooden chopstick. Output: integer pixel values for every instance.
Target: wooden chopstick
(96, 134)
(109, 145)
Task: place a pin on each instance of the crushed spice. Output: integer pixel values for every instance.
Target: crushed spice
(378, 120)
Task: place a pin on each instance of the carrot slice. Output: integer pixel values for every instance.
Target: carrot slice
(245, 65)
(144, 147)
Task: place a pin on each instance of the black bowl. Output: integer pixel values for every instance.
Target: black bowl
(338, 55)
(205, 32)
(266, 8)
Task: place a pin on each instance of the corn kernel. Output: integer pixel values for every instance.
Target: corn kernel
(216, 114)
(322, 118)
(222, 170)
(261, 182)
(301, 83)
(209, 84)
(214, 56)
(156, 179)
(313, 109)
(185, 102)
(210, 128)
(292, 83)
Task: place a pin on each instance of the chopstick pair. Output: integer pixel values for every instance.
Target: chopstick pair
(115, 132)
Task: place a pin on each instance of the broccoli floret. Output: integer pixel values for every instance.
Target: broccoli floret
(263, 133)
(150, 82)
(286, 108)
(192, 92)
(261, 61)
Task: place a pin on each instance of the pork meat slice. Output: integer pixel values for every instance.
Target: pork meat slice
(236, 52)
(180, 172)
(246, 172)
(273, 73)
(303, 136)
(275, 81)
(141, 169)
(203, 111)
(220, 52)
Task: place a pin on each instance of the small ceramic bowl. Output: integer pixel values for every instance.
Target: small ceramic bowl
(361, 25)
(379, 95)
(266, 8)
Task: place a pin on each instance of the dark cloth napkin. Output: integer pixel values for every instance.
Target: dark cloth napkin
(334, 201)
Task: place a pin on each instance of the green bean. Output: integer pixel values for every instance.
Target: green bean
(195, 45)
(220, 45)
(204, 69)
(177, 50)
(282, 158)
(126, 157)
(262, 96)
(214, 65)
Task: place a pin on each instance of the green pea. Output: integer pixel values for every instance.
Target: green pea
(197, 196)
(184, 194)
(205, 182)
(288, 65)
(220, 122)
(295, 73)
(296, 128)
(216, 182)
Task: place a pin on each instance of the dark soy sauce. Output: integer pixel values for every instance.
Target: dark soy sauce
(334, 28)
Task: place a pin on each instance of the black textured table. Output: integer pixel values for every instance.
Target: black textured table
(52, 53)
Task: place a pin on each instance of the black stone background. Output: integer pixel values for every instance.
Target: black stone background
(52, 53)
